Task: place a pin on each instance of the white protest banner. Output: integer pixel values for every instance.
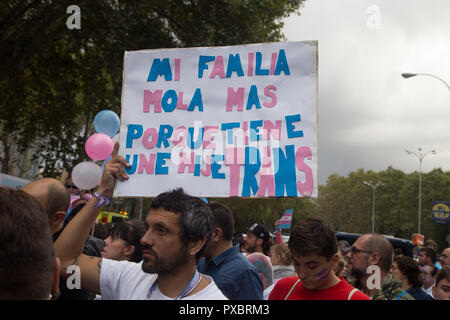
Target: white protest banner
(11, 181)
(221, 121)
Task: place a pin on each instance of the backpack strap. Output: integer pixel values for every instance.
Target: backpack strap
(351, 293)
(292, 289)
(401, 294)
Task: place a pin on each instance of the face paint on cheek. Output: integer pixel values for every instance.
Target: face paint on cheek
(321, 275)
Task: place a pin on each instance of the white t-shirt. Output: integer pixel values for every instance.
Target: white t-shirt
(124, 280)
(429, 291)
(267, 291)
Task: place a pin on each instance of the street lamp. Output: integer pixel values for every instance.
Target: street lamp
(370, 184)
(420, 156)
(409, 75)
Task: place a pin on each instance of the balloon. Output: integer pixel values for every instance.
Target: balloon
(86, 175)
(115, 138)
(107, 122)
(99, 146)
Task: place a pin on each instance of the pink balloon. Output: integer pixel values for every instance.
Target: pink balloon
(99, 146)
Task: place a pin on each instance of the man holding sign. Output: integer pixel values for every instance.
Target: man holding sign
(178, 226)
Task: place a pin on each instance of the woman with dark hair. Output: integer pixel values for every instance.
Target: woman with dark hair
(406, 269)
(124, 241)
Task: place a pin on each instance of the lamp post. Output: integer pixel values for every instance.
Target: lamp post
(409, 75)
(374, 187)
(420, 156)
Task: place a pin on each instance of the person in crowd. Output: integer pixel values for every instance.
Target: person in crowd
(262, 264)
(77, 196)
(376, 252)
(232, 272)
(445, 257)
(342, 266)
(340, 270)
(428, 257)
(258, 239)
(124, 241)
(238, 239)
(344, 247)
(92, 247)
(28, 267)
(431, 244)
(314, 250)
(101, 231)
(407, 271)
(278, 232)
(67, 181)
(177, 227)
(54, 197)
(441, 289)
(243, 244)
(429, 273)
(281, 260)
(398, 252)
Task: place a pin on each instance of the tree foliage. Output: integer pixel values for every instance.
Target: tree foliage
(267, 211)
(54, 80)
(346, 202)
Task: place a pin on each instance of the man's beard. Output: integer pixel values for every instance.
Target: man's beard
(251, 248)
(168, 265)
(357, 273)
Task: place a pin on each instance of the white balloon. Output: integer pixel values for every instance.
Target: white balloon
(86, 175)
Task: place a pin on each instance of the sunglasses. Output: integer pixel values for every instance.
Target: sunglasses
(71, 186)
(354, 250)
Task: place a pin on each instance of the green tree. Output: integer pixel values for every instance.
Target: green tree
(54, 80)
(267, 211)
(346, 202)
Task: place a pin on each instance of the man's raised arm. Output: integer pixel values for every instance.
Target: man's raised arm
(70, 244)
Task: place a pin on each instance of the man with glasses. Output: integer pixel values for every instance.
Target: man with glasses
(370, 258)
(445, 257)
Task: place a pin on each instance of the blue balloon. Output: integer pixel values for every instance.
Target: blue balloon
(107, 122)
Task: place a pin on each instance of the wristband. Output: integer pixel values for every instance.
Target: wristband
(102, 200)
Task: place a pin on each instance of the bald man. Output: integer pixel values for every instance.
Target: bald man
(54, 197)
(370, 260)
(445, 257)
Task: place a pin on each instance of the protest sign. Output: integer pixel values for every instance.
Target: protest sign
(12, 182)
(221, 121)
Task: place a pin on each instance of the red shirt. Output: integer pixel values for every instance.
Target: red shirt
(340, 291)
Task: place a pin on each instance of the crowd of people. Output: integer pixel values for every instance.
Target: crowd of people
(185, 250)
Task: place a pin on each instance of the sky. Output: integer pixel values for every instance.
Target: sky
(367, 113)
